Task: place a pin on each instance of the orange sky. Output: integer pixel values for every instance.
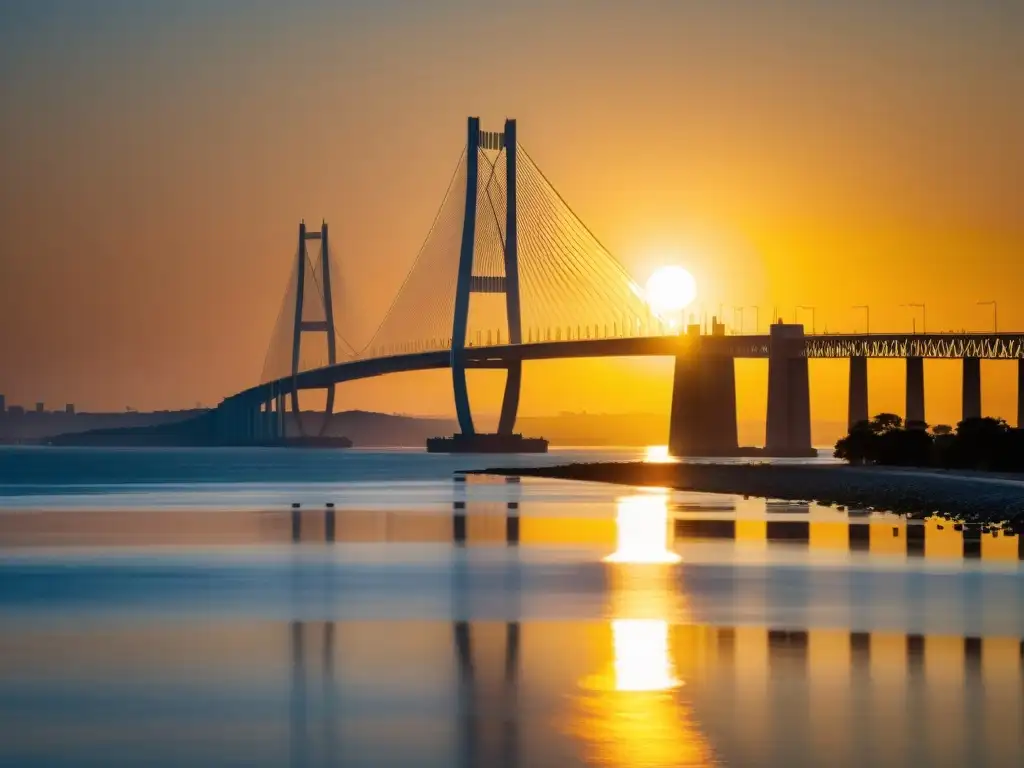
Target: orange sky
(157, 159)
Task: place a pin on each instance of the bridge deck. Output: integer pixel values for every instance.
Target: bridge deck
(992, 346)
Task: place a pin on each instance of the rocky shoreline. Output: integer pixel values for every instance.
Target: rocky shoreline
(970, 497)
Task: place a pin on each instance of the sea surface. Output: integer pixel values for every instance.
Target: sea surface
(378, 608)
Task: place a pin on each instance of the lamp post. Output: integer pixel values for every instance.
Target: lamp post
(811, 310)
(867, 317)
(924, 316)
(995, 314)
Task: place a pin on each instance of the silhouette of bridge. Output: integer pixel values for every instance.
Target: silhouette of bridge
(509, 273)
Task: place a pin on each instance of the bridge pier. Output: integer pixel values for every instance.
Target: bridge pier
(268, 422)
(703, 418)
(1020, 393)
(857, 410)
(510, 401)
(230, 425)
(243, 420)
(915, 390)
(972, 388)
(789, 402)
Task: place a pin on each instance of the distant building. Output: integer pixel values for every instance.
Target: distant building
(69, 409)
(16, 410)
(40, 407)
(3, 403)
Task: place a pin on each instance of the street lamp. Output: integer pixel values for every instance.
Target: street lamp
(811, 310)
(924, 317)
(867, 316)
(995, 314)
(739, 310)
(757, 325)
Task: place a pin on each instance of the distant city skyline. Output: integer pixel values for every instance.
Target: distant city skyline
(160, 155)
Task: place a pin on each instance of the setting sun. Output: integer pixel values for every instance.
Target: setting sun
(670, 289)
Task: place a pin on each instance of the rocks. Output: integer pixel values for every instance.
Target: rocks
(915, 493)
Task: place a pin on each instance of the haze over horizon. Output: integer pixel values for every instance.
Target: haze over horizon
(159, 156)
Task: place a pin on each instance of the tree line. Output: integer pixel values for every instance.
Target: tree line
(982, 443)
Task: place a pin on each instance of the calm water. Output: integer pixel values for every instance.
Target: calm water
(169, 608)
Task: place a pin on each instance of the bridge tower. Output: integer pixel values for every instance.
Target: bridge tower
(468, 283)
(303, 325)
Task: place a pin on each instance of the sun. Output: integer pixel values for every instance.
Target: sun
(670, 289)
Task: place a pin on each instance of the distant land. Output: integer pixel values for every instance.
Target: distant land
(365, 428)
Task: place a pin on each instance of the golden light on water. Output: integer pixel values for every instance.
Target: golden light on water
(658, 454)
(641, 655)
(641, 525)
(633, 710)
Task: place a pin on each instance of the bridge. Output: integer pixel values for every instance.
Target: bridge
(508, 273)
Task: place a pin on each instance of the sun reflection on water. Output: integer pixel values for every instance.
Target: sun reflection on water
(641, 526)
(632, 710)
(641, 655)
(658, 454)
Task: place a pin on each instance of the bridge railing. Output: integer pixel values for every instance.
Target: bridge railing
(992, 346)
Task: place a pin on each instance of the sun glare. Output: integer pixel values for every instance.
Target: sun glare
(670, 289)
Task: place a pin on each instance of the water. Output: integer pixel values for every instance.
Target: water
(169, 608)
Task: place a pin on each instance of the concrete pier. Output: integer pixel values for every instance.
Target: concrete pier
(703, 418)
(972, 388)
(789, 402)
(858, 397)
(1020, 393)
(915, 390)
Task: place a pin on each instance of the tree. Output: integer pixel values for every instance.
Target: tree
(978, 443)
(859, 446)
(886, 422)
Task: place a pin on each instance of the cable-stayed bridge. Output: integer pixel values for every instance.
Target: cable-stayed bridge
(508, 273)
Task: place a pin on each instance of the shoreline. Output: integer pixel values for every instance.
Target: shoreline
(916, 493)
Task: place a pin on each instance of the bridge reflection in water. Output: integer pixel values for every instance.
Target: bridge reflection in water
(646, 679)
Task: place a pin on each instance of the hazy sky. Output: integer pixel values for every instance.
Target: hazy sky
(157, 157)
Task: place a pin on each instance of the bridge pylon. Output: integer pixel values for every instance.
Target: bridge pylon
(469, 283)
(302, 325)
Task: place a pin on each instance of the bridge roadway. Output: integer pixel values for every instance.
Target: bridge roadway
(952, 346)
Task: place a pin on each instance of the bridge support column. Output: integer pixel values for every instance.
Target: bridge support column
(915, 391)
(228, 427)
(464, 282)
(513, 313)
(684, 421)
(265, 420)
(1020, 393)
(972, 388)
(703, 418)
(510, 402)
(789, 402)
(279, 410)
(248, 422)
(218, 423)
(858, 398)
(271, 419)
